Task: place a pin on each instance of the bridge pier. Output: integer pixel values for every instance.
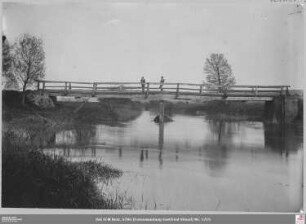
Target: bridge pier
(283, 109)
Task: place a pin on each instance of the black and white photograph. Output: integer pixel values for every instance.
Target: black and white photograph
(153, 105)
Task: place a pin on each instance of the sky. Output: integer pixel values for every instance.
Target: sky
(124, 40)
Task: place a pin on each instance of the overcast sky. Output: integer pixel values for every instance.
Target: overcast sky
(121, 41)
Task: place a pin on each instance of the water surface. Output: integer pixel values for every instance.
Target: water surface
(196, 164)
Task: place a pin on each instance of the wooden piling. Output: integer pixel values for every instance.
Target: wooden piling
(161, 124)
(161, 135)
(161, 111)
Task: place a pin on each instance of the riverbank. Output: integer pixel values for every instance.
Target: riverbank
(106, 111)
(33, 179)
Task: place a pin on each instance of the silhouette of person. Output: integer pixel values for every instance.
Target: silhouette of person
(162, 81)
(143, 82)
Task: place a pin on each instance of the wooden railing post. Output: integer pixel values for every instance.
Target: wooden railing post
(177, 90)
(201, 89)
(44, 85)
(94, 88)
(69, 86)
(148, 89)
(66, 88)
(281, 92)
(287, 91)
(38, 83)
(256, 90)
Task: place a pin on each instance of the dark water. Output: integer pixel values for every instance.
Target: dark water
(195, 164)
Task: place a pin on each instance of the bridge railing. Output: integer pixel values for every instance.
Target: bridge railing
(94, 88)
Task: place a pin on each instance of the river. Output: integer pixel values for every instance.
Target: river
(195, 164)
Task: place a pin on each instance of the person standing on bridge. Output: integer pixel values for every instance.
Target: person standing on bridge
(162, 81)
(143, 83)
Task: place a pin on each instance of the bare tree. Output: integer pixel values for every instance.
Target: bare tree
(218, 71)
(28, 61)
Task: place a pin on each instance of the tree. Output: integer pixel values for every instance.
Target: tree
(28, 61)
(219, 72)
(8, 79)
(6, 56)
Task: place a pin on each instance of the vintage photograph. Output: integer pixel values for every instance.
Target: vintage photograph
(153, 105)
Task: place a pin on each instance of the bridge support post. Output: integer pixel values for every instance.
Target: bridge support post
(283, 109)
(161, 135)
(161, 111)
(274, 110)
(38, 85)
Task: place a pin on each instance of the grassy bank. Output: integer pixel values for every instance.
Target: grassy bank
(106, 111)
(32, 179)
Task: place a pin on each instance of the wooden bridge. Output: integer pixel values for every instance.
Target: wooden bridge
(126, 89)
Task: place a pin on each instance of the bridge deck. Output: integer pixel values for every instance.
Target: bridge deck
(177, 90)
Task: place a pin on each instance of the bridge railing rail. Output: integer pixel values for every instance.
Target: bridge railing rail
(94, 88)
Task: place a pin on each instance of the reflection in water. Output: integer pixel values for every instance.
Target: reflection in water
(282, 139)
(218, 158)
(120, 152)
(161, 143)
(176, 153)
(141, 155)
(196, 164)
(144, 153)
(161, 135)
(77, 136)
